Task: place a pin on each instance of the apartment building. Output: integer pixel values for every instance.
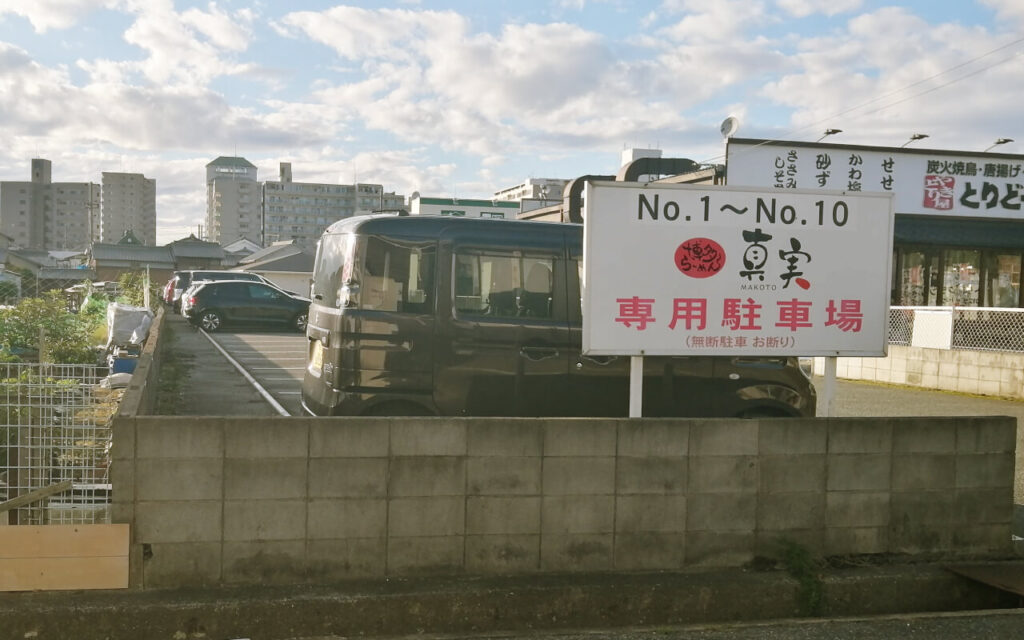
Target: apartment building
(128, 204)
(232, 200)
(300, 211)
(46, 215)
(534, 189)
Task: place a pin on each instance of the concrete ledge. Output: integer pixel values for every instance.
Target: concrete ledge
(410, 606)
(140, 396)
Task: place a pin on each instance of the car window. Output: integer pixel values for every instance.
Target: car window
(262, 292)
(228, 291)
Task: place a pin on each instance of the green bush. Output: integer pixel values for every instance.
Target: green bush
(67, 335)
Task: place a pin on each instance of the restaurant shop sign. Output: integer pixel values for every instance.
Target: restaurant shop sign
(698, 270)
(923, 182)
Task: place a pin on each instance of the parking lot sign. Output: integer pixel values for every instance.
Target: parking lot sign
(711, 270)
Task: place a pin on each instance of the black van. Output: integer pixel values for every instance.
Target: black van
(431, 315)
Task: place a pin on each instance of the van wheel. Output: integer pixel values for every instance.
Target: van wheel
(762, 412)
(299, 322)
(398, 409)
(210, 321)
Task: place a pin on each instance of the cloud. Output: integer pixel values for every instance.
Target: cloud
(53, 14)
(891, 73)
(1010, 10)
(109, 111)
(431, 80)
(355, 33)
(712, 48)
(187, 48)
(221, 29)
(804, 8)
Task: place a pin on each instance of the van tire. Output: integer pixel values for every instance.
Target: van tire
(210, 321)
(763, 412)
(398, 409)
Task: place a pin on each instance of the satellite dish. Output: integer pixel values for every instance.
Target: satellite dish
(730, 126)
(415, 195)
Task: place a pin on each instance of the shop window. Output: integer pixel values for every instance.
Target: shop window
(961, 278)
(918, 284)
(1002, 280)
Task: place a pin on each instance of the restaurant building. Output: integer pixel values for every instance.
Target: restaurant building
(958, 237)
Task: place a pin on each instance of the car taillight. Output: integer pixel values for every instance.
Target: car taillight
(192, 301)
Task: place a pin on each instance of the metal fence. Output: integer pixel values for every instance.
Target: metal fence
(968, 328)
(15, 289)
(55, 425)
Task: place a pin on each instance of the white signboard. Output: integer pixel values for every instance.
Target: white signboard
(697, 270)
(923, 182)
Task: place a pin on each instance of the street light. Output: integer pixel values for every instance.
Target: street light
(999, 142)
(914, 138)
(829, 132)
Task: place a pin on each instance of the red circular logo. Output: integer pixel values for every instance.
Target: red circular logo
(700, 257)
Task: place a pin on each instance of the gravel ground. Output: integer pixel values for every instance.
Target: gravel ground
(994, 625)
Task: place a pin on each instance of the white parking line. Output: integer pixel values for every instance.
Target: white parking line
(263, 392)
(303, 359)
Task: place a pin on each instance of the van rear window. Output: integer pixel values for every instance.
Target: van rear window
(371, 273)
(333, 256)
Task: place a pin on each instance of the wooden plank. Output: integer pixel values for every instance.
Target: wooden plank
(86, 556)
(36, 574)
(35, 496)
(64, 540)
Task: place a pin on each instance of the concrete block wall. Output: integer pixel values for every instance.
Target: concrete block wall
(991, 373)
(318, 500)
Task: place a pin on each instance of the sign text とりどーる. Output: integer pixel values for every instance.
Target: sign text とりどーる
(695, 270)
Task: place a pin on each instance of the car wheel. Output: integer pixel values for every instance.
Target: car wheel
(299, 322)
(210, 321)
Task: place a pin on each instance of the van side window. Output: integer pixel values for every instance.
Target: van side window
(396, 277)
(503, 285)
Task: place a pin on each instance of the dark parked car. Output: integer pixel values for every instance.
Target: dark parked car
(219, 303)
(181, 280)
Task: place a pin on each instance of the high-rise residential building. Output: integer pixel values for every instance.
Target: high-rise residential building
(300, 211)
(232, 200)
(42, 214)
(128, 204)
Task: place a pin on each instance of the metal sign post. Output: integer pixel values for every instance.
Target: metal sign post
(828, 393)
(636, 386)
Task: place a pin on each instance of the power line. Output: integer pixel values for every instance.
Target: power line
(912, 85)
(919, 82)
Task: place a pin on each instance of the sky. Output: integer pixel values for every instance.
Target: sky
(462, 98)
